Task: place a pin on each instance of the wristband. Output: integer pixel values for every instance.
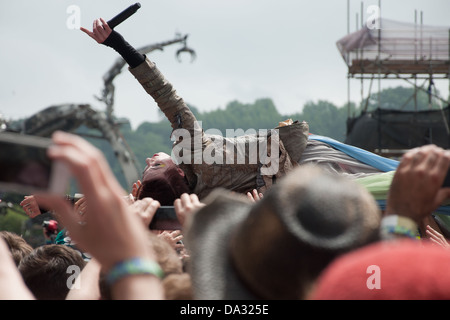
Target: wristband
(128, 52)
(399, 230)
(134, 266)
(399, 225)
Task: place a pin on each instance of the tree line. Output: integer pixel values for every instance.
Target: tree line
(324, 118)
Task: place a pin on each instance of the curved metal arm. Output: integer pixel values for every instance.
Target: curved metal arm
(185, 48)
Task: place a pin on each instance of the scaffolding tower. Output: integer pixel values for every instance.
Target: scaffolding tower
(387, 49)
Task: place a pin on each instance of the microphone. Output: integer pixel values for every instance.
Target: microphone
(125, 14)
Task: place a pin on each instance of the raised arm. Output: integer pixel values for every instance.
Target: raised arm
(416, 189)
(108, 230)
(152, 80)
(12, 286)
(145, 71)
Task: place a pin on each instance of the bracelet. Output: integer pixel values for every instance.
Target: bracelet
(394, 224)
(401, 231)
(133, 266)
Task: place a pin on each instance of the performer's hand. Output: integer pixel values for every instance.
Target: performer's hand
(100, 30)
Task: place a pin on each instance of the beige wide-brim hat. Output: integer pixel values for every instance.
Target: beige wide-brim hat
(276, 248)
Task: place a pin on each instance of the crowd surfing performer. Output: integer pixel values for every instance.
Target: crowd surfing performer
(165, 180)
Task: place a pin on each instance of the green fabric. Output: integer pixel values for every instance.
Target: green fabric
(378, 184)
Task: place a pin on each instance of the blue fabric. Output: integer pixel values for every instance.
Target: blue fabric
(369, 158)
(372, 159)
(441, 210)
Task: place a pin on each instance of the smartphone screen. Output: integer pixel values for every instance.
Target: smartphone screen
(165, 219)
(25, 166)
(446, 183)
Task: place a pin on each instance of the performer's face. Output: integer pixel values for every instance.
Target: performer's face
(159, 164)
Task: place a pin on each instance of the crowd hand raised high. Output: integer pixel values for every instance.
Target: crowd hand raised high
(80, 206)
(100, 30)
(132, 196)
(95, 231)
(186, 205)
(12, 286)
(108, 230)
(86, 285)
(437, 237)
(416, 188)
(135, 188)
(31, 207)
(145, 209)
(174, 238)
(254, 195)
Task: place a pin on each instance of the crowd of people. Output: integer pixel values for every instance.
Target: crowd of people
(313, 235)
(306, 231)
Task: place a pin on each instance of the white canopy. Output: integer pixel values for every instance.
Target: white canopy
(397, 41)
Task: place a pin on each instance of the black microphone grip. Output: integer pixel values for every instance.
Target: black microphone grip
(125, 14)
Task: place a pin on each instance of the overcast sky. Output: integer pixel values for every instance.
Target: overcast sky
(246, 50)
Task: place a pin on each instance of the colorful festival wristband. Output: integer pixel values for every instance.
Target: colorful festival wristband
(399, 225)
(134, 266)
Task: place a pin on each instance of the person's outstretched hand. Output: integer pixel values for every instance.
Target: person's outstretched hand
(12, 286)
(135, 189)
(416, 188)
(100, 30)
(437, 237)
(254, 196)
(31, 207)
(186, 205)
(145, 209)
(108, 229)
(173, 237)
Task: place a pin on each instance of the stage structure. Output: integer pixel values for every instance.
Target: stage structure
(411, 52)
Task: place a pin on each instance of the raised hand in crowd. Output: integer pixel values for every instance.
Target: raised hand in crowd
(31, 207)
(86, 285)
(109, 230)
(186, 205)
(135, 188)
(12, 286)
(80, 206)
(132, 196)
(173, 237)
(145, 209)
(254, 195)
(416, 188)
(437, 237)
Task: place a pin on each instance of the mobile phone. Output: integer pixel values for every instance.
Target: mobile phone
(446, 180)
(165, 219)
(73, 199)
(25, 167)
